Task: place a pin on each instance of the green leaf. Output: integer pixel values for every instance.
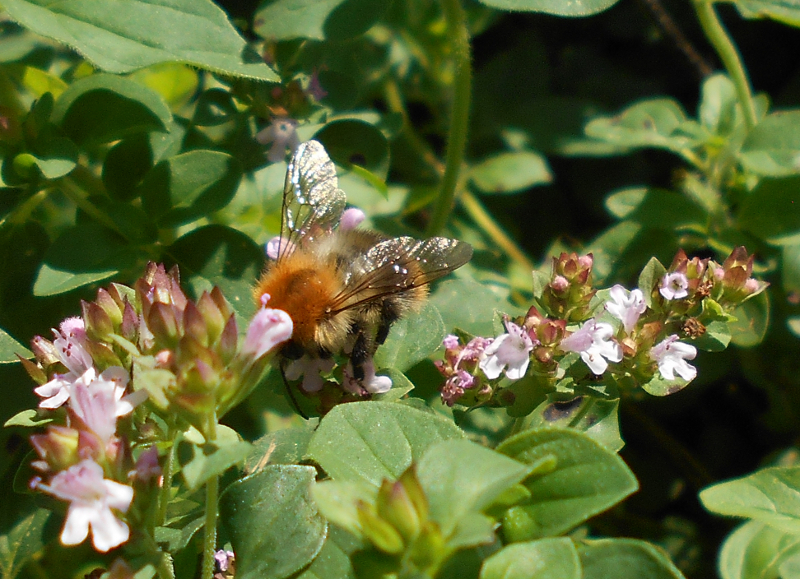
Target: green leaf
(356, 142)
(338, 501)
(752, 321)
(786, 11)
(555, 7)
(103, 107)
(770, 211)
(660, 386)
(28, 418)
(186, 187)
(177, 539)
(214, 107)
(790, 267)
(554, 558)
(597, 417)
(656, 208)
(202, 460)
(221, 256)
(650, 279)
(718, 106)
(83, 254)
(124, 36)
(320, 20)
(769, 495)
(22, 543)
(333, 560)
(648, 123)
(274, 526)
(10, 348)
(286, 446)
(370, 441)
(511, 172)
(412, 339)
(755, 550)
(772, 148)
(55, 157)
(461, 478)
(587, 479)
(625, 559)
(477, 318)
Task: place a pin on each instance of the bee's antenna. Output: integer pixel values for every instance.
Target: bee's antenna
(290, 394)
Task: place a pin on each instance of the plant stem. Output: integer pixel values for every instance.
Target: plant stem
(489, 226)
(210, 526)
(459, 116)
(718, 36)
(169, 472)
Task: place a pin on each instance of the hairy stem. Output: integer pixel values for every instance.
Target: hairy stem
(210, 526)
(718, 36)
(459, 116)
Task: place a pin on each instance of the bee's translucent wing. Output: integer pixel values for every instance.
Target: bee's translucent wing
(312, 200)
(398, 265)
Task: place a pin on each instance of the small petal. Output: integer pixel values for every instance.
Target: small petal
(626, 306)
(593, 342)
(671, 356)
(351, 218)
(674, 286)
(512, 350)
(268, 328)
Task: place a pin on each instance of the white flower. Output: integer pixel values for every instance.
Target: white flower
(626, 306)
(512, 349)
(267, 329)
(91, 499)
(671, 356)
(371, 383)
(311, 370)
(282, 133)
(674, 286)
(593, 342)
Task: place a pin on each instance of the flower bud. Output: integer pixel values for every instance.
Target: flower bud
(57, 447)
(395, 507)
(110, 306)
(377, 531)
(429, 548)
(99, 325)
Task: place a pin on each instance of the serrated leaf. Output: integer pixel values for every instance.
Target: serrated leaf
(769, 495)
(127, 35)
(587, 479)
(511, 172)
(273, 523)
(625, 559)
(370, 441)
(554, 558)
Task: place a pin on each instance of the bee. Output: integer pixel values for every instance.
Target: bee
(343, 287)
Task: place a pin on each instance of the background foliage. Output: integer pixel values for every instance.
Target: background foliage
(128, 135)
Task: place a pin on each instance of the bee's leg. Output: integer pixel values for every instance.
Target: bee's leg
(361, 352)
(289, 392)
(389, 315)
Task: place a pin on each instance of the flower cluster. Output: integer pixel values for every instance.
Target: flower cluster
(634, 335)
(147, 347)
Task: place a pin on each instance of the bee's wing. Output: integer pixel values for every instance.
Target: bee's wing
(312, 200)
(400, 264)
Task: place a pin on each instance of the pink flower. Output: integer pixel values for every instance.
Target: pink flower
(267, 329)
(311, 369)
(99, 400)
(351, 218)
(70, 348)
(671, 356)
(510, 350)
(626, 306)
(315, 89)
(282, 133)
(593, 342)
(91, 499)
(674, 286)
